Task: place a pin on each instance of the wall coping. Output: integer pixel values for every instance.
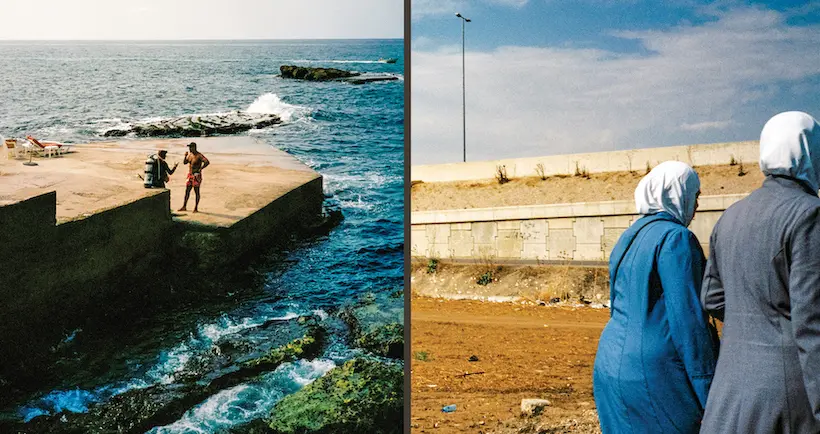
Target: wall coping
(747, 152)
(559, 210)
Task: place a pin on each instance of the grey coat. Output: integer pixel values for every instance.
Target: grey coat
(763, 280)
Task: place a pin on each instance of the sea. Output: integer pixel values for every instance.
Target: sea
(352, 134)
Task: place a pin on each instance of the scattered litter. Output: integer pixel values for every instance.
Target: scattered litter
(449, 408)
(555, 300)
(473, 358)
(470, 373)
(541, 302)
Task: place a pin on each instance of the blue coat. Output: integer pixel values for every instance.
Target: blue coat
(658, 352)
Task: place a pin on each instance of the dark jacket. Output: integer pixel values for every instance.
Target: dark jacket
(763, 280)
(657, 353)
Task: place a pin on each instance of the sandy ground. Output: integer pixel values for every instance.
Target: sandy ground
(524, 351)
(599, 187)
(244, 176)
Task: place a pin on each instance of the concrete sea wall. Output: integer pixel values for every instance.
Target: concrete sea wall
(111, 263)
(210, 246)
(595, 162)
(556, 232)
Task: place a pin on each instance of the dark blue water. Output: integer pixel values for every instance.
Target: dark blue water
(351, 134)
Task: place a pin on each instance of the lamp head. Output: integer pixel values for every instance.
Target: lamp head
(458, 14)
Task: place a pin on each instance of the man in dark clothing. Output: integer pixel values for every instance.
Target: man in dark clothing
(763, 280)
(163, 169)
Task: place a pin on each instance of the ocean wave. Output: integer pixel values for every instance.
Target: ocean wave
(169, 364)
(246, 402)
(358, 204)
(270, 103)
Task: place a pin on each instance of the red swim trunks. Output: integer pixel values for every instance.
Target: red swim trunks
(194, 180)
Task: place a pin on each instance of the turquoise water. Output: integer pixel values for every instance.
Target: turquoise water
(351, 134)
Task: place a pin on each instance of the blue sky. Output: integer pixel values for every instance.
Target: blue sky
(548, 77)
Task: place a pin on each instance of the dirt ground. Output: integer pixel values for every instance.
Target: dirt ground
(555, 189)
(523, 351)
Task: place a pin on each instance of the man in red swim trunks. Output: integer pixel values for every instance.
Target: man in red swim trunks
(197, 162)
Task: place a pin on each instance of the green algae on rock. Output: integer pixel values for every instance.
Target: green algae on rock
(140, 410)
(385, 340)
(376, 325)
(362, 395)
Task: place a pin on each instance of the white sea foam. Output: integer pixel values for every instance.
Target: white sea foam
(169, 363)
(246, 402)
(270, 103)
(355, 61)
(358, 203)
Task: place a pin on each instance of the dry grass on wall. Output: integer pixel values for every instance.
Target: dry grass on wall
(564, 282)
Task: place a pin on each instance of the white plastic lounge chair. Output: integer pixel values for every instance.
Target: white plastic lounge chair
(49, 148)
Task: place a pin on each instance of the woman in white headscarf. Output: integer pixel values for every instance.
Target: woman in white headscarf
(763, 281)
(657, 353)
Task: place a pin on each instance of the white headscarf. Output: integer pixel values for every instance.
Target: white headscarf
(671, 186)
(790, 146)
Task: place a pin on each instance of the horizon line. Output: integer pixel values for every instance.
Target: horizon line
(203, 39)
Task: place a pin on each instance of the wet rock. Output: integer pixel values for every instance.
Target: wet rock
(259, 426)
(362, 396)
(327, 221)
(139, 410)
(197, 125)
(135, 411)
(314, 74)
(307, 347)
(370, 79)
(376, 325)
(533, 407)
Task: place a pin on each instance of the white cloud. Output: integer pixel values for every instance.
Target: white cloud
(708, 125)
(537, 101)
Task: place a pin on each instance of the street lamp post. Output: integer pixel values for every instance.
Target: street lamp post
(464, 20)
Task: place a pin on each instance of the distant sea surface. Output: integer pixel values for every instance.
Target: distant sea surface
(351, 134)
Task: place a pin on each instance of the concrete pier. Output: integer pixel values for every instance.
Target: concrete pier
(245, 175)
(75, 227)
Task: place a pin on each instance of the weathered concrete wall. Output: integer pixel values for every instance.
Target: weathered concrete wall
(556, 232)
(54, 276)
(43, 257)
(216, 246)
(596, 162)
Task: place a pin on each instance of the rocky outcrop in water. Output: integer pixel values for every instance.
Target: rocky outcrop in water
(197, 125)
(370, 78)
(139, 410)
(314, 74)
(376, 324)
(362, 396)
